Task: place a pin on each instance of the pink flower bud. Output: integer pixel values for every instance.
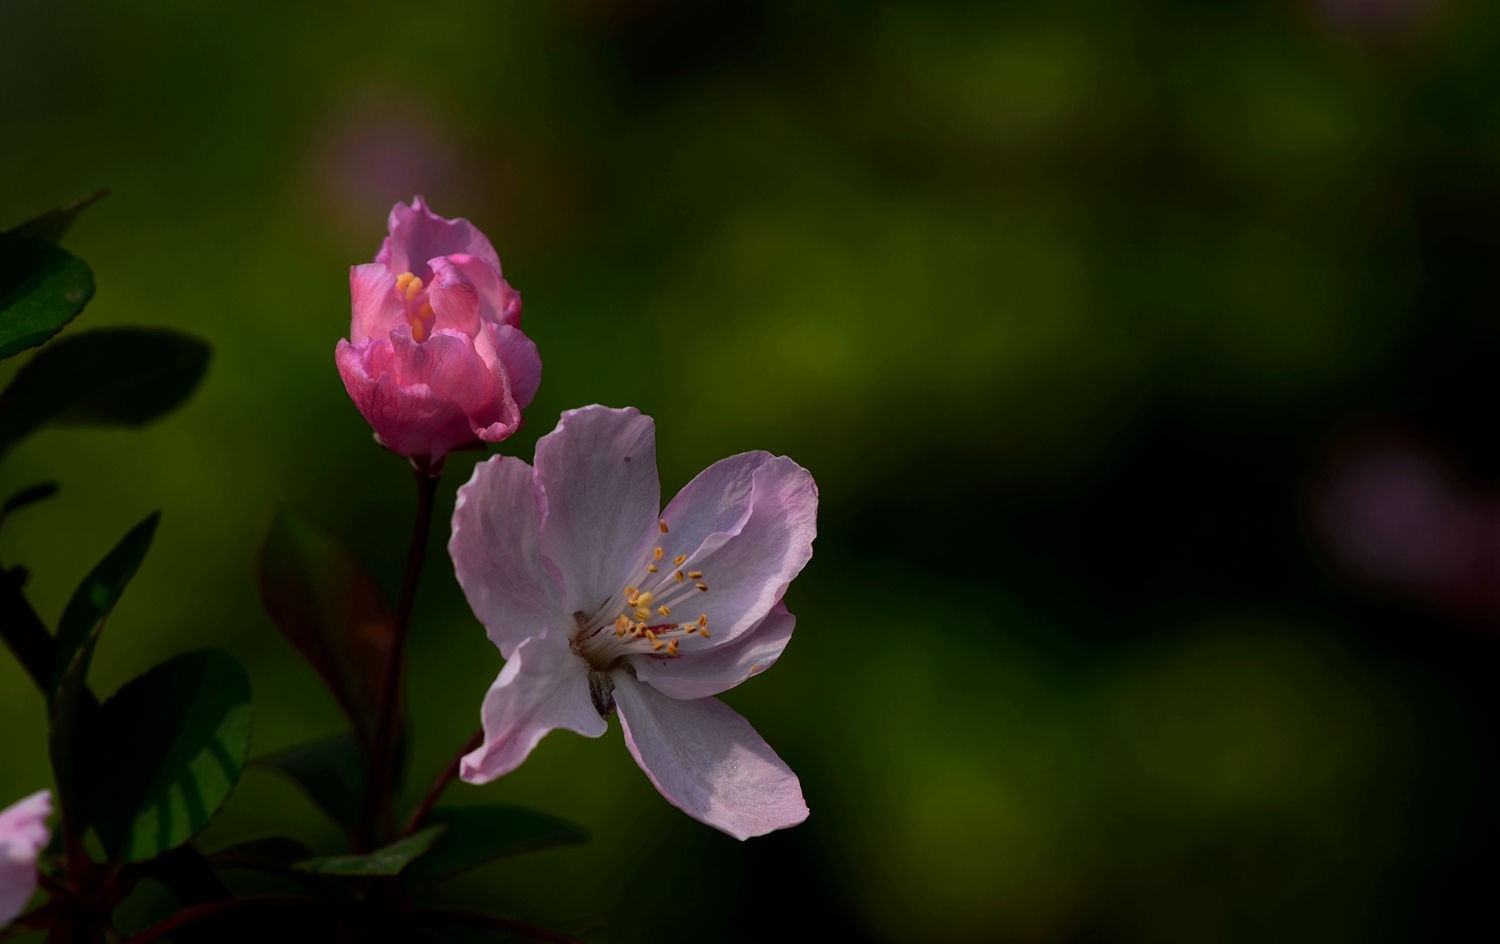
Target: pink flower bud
(435, 358)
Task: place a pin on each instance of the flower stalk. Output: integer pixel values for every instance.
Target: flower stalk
(380, 785)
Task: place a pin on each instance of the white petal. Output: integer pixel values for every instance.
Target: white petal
(496, 527)
(596, 477)
(543, 686)
(704, 672)
(708, 762)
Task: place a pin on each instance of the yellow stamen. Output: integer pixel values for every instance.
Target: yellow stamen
(664, 610)
(702, 620)
(418, 330)
(642, 613)
(696, 574)
(680, 559)
(680, 576)
(652, 569)
(657, 554)
(412, 288)
(703, 586)
(402, 281)
(662, 525)
(645, 599)
(672, 648)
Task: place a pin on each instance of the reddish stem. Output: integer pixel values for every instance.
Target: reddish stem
(440, 783)
(378, 788)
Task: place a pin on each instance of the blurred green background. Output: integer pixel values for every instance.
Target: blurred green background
(1143, 353)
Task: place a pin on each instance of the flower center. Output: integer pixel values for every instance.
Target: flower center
(419, 313)
(639, 619)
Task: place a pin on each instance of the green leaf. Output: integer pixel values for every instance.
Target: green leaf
(389, 860)
(28, 496)
(170, 747)
(480, 834)
(70, 707)
(107, 377)
(50, 226)
(331, 772)
(42, 288)
(328, 606)
(92, 602)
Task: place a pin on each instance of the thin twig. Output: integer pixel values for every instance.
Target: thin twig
(224, 906)
(486, 922)
(440, 783)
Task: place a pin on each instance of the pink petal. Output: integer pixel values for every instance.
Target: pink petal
(23, 834)
(717, 500)
(375, 307)
(708, 762)
(417, 235)
(493, 299)
(426, 399)
(523, 365)
(544, 686)
(748, 564)
(596, 474)
(706, 672)
(496, 524)
(453, 295)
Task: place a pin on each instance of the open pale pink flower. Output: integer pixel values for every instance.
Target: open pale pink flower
(435, 358)
(599, 600)
(23, 834)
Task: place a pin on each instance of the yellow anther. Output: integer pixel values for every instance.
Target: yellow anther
(696, 574)
(412, 288)
(656, 644)
(657, 554)
(702, 620)
(672, 648)
(664, 610)
(680, 576)
(704, 631)
(642, 613)
(622, 625)
(662, 525)
(690, 628)
(652, 569)
(649, 634)
(402, 281)
(645, 599)
(630, 590)
(703, 586)
(680, 559)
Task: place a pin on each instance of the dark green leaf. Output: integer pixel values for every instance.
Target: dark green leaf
(329, 607)
(170, 748)
(70, 707)
(42, 288)
(28, 496)
(480, 834)
(273, 854)
(331, 772)
(50, 226)
(389, 860)
(107, 377)
(92, 602)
